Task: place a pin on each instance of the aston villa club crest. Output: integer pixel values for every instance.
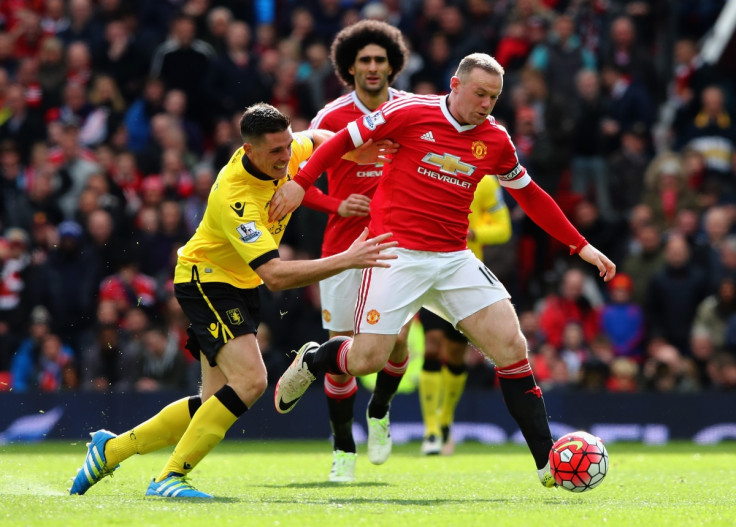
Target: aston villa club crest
(479, 149)
(235, 316)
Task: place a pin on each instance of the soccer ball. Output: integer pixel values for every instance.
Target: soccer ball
(578, 461)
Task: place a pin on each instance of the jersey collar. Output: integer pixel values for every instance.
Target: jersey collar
(253, 171)
(362, 107)
(446, 111)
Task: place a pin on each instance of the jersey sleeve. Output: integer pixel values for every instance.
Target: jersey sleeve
(317, 200)
(302, 148)
(510, 173)
(248, 233)
(378, 125)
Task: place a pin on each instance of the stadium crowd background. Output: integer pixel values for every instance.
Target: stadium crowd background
(116, 115)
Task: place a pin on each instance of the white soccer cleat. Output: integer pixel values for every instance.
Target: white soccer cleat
(379, 439)
(343, 466)
(431, 445)
(545, 477)
(294, 382)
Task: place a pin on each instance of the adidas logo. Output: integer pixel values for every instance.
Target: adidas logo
(427, 137)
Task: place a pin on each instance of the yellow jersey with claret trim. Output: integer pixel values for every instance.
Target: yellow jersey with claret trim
(235, 230)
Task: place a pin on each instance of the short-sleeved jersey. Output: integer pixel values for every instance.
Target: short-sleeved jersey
(235, 231)
(425, 193)
(345, 177)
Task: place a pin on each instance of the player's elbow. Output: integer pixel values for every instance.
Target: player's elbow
(273, 275)
(275, 283)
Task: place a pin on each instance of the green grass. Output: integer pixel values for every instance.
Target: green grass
(284, 483)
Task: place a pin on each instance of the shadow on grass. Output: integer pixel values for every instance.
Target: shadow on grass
(326, 485)
(402, 502)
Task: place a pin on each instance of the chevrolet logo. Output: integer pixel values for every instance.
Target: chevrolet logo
(449, 164)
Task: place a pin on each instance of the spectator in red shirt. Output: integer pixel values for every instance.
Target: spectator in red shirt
(570, 305)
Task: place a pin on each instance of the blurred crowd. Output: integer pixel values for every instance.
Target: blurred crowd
(116, 115)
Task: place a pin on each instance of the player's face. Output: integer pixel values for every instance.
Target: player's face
(473, 99)
(371, 69)
(271, 154)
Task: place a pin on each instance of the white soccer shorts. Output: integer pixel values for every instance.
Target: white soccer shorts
(453, 285)
(338, 295)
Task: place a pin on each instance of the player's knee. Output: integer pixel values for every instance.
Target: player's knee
(516, 347)
(367, 364)
(250, 387)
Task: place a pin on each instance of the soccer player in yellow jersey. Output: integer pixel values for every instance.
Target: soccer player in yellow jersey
(443, 375)
(233, 251)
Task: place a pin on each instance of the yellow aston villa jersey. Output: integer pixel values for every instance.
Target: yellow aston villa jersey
(235, 229)
(489, 216)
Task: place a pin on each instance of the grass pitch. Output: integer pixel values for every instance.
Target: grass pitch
(285, 483)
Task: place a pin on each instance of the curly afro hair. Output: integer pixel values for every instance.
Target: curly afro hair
(353, 38)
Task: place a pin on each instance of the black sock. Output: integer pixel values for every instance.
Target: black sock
(432, 365)
(386, 386)
(456, 369)
(324, 360)
(525, 403)
(341, 422)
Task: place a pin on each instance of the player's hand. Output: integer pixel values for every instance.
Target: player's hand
(285, 200)
(606, 268)
(355, 205)
(365, 252)
(370, 152)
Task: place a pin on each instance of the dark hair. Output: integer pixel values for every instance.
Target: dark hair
(353, 38)
(261, 119)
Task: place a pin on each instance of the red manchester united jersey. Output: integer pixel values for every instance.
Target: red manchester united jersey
(345, 177)
(425, 194)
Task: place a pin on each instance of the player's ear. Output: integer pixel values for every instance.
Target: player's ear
(454, 82)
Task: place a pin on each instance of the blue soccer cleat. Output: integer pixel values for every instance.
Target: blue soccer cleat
(95, 465)
(174, 486)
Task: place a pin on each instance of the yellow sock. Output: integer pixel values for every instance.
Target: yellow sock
(430, 386)
(163, 429)
(206, 430)
(452, 389)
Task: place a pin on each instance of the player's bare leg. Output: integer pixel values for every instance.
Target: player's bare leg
(495, 331)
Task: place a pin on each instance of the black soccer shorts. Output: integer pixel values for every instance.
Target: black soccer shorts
(217, 313)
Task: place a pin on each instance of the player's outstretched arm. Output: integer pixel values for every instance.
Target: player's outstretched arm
(606, 268)
(364, 252)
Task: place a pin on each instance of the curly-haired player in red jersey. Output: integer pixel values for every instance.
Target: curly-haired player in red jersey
(367, 57)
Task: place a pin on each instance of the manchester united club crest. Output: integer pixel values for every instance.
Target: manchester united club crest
(479, 149)
(326, 315)
(373, 316)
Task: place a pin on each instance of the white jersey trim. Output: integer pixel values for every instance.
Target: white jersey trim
(355, 134)
(522, 182)
(446, 111)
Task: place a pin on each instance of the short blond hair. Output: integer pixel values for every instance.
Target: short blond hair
(478, 60)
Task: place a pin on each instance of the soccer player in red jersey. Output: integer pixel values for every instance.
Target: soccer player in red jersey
(447, 144)
(367, 57)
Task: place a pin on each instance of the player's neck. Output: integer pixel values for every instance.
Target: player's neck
(454, 115)
(372, 100)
